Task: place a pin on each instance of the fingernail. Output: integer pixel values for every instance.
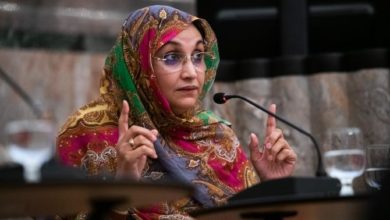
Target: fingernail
(268, 145)
(155, 132)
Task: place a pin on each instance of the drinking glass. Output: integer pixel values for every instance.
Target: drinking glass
(344, 156)
(378, 164)
(30, 144)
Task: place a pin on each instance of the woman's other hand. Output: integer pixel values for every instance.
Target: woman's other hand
(277, 159)
(134, 145)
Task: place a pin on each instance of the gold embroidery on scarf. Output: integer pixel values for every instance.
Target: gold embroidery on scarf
(138, 23)
(104, 88)
(213, 189)
(226, 148)
(154, 175)
(96, 163)
(250, 177)
(94, 116)
(193, 163)
(163, 14)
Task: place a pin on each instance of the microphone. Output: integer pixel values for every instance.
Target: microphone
(322, 185)
(221, 98)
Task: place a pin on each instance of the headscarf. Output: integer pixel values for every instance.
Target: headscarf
(197, 147)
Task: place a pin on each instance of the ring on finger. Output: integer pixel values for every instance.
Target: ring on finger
(131, 142)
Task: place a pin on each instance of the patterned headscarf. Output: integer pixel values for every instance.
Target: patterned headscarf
(196, 147)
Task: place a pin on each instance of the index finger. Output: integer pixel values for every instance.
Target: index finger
(123, 121)
(271, 121)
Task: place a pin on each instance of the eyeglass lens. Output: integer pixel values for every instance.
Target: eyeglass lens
(175, 61)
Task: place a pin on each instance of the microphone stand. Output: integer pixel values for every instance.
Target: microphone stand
(290, 186)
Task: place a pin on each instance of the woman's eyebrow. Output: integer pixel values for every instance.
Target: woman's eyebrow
(200, 42)
(174, 43)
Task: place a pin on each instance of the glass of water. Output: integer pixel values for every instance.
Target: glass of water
(30, 144)
(378, 164)
(344, 156)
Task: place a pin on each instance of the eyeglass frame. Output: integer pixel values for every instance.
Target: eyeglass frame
(184, 58)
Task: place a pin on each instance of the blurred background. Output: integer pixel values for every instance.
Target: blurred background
(54, 51)
(323, 62)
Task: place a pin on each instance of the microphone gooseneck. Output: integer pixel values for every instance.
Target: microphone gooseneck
(221, 98)
(16, 87)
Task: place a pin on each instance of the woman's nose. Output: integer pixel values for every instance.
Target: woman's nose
(188, 68)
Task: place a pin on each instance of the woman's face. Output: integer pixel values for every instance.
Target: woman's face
(179, 76)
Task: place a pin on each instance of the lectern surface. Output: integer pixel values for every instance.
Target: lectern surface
(44, 199)
(298, 208)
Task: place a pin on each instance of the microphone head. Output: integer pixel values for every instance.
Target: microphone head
(219, 98)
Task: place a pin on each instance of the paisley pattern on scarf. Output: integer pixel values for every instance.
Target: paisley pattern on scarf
(196, 147)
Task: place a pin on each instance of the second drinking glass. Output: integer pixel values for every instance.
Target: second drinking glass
(344, 156)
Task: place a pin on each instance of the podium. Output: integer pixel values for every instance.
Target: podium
(67, 198)
(291, 208)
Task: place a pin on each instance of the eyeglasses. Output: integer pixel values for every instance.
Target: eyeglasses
(173, 62)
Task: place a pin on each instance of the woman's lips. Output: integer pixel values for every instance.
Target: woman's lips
(188, 88)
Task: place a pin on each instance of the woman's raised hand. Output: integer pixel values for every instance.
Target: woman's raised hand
(277, 159)
(134, 145)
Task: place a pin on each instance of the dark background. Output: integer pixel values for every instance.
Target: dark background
(248, 29)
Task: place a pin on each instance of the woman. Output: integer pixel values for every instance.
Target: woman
(148, 123)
